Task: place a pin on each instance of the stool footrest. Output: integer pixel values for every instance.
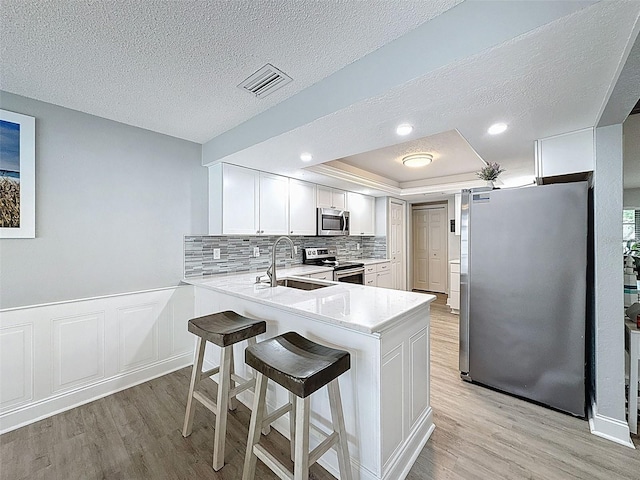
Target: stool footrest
(238, 378)
(272, 462)
(206, 402)
(321, 449)
(241, 388)
(269, 419)
(208, 373)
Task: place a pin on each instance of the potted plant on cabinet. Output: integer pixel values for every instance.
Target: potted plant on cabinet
(489, 173)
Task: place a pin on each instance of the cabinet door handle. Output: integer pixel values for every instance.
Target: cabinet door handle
(257, 231)
(291, 231)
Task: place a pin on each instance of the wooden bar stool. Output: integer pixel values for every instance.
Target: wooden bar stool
(223, 329)
(302, 367)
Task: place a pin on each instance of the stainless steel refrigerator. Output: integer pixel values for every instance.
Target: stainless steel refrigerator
(523, 268)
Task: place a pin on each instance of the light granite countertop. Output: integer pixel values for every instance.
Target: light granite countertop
(357, 307)
(372, 261)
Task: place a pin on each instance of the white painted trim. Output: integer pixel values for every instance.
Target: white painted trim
(609, 428)
(452, 184)
(48, 407)
(100, 297)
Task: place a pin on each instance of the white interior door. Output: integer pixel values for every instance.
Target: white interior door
(396, 245)
(420, 249)
(437, 250)
(429, 226)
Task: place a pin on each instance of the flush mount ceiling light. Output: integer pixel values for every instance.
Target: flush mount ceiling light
(306, 157)
(404, 129)
(417, 160)
(497, 128)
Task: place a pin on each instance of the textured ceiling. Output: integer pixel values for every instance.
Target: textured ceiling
(551, 80)
(173, 67)
(452, 155)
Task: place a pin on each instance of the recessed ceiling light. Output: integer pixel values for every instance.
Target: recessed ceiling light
(497, 128)
(404, 129)
(417, 160)
(306, 157)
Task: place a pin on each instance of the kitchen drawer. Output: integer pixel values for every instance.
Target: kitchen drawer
(383, 267)
(322, 275)
(369, 269)
(455, 267)
(455, 282)
(370, 281)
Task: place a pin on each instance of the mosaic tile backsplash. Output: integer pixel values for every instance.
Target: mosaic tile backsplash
(236, 253)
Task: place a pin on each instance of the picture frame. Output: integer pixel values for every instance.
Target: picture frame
(17, 175)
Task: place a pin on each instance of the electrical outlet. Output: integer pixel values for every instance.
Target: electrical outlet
(357, 246)
(295, 249)
(256, 251)
(216, 254)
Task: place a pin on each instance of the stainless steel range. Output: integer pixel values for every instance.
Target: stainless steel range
(350, 272)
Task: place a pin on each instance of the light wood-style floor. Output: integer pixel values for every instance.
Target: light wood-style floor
(480, 434)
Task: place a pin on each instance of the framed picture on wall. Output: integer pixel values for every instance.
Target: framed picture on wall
(17, 175)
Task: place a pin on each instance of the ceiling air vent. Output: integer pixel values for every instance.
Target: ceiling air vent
(265, 81)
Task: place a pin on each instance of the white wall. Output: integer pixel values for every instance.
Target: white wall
(609, 409)
(112, 205)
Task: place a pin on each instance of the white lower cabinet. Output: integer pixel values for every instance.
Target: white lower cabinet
(322, 275)
(378, 275)
(383, 279)
(454, 286)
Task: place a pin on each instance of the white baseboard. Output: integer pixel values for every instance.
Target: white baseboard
(60, 403)
(609, 428)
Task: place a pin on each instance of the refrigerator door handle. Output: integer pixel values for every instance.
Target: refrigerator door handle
(464, 286)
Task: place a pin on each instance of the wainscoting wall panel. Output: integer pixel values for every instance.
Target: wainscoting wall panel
(138, 329)
(419, 381)
(16, 365)
(78, 350)
(57, 356)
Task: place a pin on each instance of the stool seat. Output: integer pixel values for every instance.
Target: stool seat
(298, 364)
(226, 328)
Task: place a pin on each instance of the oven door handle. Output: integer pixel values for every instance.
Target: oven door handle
(346, 272)
(344, 221)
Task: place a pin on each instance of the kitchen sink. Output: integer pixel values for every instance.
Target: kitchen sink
(301, 284)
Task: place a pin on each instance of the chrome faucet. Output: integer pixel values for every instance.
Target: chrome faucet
(271, 272)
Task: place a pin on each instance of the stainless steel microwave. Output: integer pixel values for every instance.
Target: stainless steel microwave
(332, 222)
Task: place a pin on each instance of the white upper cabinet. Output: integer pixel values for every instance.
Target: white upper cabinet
(565, 154)
(247, 202)
(302, 208)
(331, 198)
(274, 204)
(361, 214)
(233, 200)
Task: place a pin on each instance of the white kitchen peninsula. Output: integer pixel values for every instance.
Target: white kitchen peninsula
(385, 394)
